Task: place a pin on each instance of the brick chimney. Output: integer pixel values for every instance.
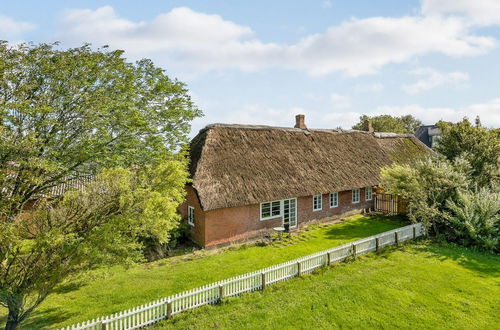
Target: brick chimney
(300, 122)
(367, 126)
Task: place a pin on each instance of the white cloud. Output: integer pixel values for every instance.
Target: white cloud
(433, 78)
(334, 120)
(198, 42)
(340, 101)
(362, 46)
(11, 28)
(375, 87)
(327, 4)
(489, 112)
(258, 114)
(483, 12)
(188, 39)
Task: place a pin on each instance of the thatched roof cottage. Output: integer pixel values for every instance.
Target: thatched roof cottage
(248, 179)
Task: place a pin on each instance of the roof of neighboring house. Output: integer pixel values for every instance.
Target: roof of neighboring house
(234, 165)
(425, 132)
(59, 189)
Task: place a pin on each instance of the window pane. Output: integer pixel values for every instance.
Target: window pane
(276, 208)
(265, 210)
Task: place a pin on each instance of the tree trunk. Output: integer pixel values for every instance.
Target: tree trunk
(12, 320)
(11, 325)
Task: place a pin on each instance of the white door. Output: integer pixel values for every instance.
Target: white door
(290, 212)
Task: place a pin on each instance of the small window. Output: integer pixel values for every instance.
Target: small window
(368, 193)
(334, 199)
(191, 215)
(317, 203)
(355, 195)
(270, 210)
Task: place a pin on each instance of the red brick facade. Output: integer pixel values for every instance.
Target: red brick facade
(221, 226)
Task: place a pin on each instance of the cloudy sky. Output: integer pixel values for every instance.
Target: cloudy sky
(262, 62)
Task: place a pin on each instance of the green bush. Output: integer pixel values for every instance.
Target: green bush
(474, 219)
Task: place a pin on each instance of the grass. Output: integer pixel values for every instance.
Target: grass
(419, 286)
(108, 291)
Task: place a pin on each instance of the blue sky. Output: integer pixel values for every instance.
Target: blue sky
(262, 62)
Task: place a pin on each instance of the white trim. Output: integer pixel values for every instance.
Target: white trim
(366, 193)
(191, 215)
(296, 211)
(330, 200)
(320, 202)
(359, 196)
(273, 216)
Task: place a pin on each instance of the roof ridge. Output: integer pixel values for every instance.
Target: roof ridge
(298, 130)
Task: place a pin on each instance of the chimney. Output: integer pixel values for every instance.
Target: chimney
(367, 126)
(299, 122)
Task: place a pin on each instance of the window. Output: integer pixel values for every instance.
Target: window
(317, 204)
(270, 210)
(368, 193)
(334, 199)
(435, 140)
(355, 195)
(191, 215)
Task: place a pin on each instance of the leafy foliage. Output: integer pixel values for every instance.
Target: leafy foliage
(72, 116)
(443, 195)
(406, 124)
(475, 219)
(427, 185)
(478, 145)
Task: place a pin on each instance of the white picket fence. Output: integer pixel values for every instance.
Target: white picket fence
(164, 308)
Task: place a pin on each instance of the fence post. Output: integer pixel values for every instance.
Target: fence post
(299, 270)
(377, 243)
(414, 232)
(169, 309)
(396, 238)
(328, 258)
(263, 276)
(103, 325)
(354, 250)
(221, 291)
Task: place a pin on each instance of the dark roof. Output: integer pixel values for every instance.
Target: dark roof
(425, 133)
(234, 165)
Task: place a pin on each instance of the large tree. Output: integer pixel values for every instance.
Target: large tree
(406, 124)
(86, 118)
(478, 145)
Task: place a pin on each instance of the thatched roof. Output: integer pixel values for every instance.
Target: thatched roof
(233, 165)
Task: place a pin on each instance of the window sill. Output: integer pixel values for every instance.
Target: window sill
(270, 218)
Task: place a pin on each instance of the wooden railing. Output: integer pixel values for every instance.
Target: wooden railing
(390, 204)
(164, 308)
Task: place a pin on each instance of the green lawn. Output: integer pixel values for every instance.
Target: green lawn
(418, 286)
(110, 291)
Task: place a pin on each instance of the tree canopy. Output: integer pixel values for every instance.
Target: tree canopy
(478, 145)
(456, 192)
(86, 118)
(406, 124)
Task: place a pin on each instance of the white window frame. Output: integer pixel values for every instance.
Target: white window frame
(368, 189)
(356, 192)
(320, 202)
(336, 204)
(191, 215)
(270, 206)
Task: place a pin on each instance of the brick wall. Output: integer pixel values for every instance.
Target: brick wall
(236, 223)
(196, 232)
(305, 206)
(220, 226)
